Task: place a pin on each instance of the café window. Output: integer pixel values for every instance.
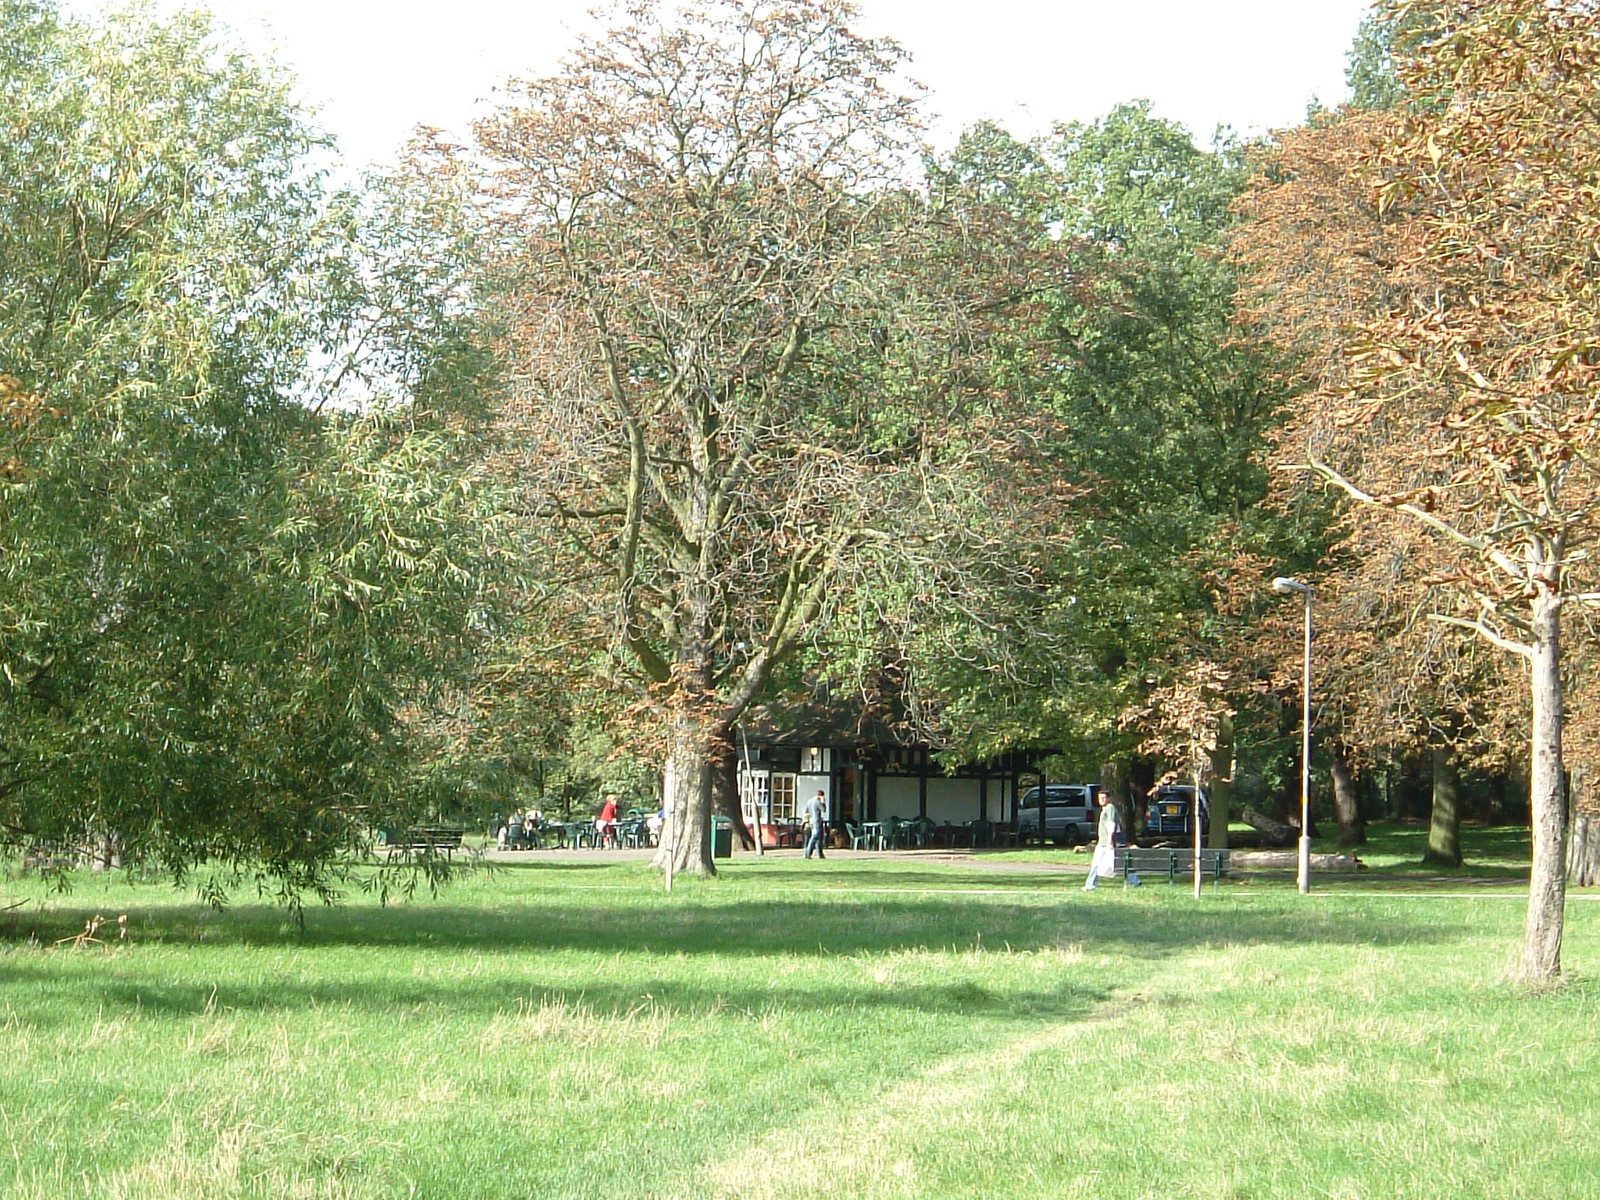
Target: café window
(767, 798)
(813, 760)
(782, 798)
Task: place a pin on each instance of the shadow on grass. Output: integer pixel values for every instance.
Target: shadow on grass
(1488, 851)
(623, 953)
(627, 941)
(602, 996)
(847, 922)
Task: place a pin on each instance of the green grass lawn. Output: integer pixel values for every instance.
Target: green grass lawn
(870, 1027)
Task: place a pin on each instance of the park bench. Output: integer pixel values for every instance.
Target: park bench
(51, 856)
(426, 840)
(1173, 862)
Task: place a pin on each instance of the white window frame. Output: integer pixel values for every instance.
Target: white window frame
(768, 797)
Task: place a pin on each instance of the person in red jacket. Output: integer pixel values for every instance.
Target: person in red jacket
(605, 825)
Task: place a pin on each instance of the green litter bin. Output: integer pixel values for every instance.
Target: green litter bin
(721, 837)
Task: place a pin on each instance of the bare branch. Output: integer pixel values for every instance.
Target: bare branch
(1481, 545)
(1485, 632)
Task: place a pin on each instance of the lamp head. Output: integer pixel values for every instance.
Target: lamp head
(1287, 586)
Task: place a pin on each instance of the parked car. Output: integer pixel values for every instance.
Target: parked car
(1070, 813)
(1170, 812)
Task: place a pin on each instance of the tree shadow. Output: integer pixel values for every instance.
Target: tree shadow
(872, 916)
(1491, 851)
(603, 997)
(830, 922)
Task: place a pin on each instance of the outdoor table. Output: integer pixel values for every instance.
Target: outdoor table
(875, 834)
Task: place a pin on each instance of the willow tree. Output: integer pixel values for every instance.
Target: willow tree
(221, 615)
(749, 359)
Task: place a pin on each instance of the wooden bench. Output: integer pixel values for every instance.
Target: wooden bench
(426, 840)
(1172, 862)
(51, 856)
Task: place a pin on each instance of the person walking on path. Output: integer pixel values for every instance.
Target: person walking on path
(816, 816)
(1104, 862)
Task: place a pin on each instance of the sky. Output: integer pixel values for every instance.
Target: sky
(378, 69)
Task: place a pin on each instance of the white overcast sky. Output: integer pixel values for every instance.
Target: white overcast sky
(377, 69)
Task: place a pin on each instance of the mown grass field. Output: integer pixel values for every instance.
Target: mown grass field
(868, 1027)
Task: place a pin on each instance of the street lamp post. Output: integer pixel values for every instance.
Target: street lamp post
(1288, 586)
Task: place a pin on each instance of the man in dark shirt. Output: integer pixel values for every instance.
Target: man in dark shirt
(816, 816)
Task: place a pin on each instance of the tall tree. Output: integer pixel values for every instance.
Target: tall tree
(220, 614)
(1483, 379)
(1319, 256)
(1160, 407)
(748, 357)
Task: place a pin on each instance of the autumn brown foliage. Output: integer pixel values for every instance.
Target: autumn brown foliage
(753, 366)
(1435, 267)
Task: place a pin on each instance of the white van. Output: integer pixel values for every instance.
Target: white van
(1070, 813)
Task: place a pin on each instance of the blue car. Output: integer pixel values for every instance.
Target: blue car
(1170, 812)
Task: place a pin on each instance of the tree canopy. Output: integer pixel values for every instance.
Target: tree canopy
(755, 371)
(217, 607)
(1460, 397)
(695, 379)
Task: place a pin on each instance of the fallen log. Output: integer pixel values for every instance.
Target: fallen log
(1273, 833)
(1289, 860)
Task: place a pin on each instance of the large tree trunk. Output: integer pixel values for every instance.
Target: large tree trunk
(1444, 825)
(1547, 882)
(1221, 790)
(686, 835)
(1583, 830)
(1346, 797)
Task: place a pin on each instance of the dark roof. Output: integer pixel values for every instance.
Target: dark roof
(823, 719)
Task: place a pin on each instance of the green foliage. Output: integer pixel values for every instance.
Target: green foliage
(1370, 73)
(1159, 408)
(222, 616)
(1161, 396)
(1393, 30)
